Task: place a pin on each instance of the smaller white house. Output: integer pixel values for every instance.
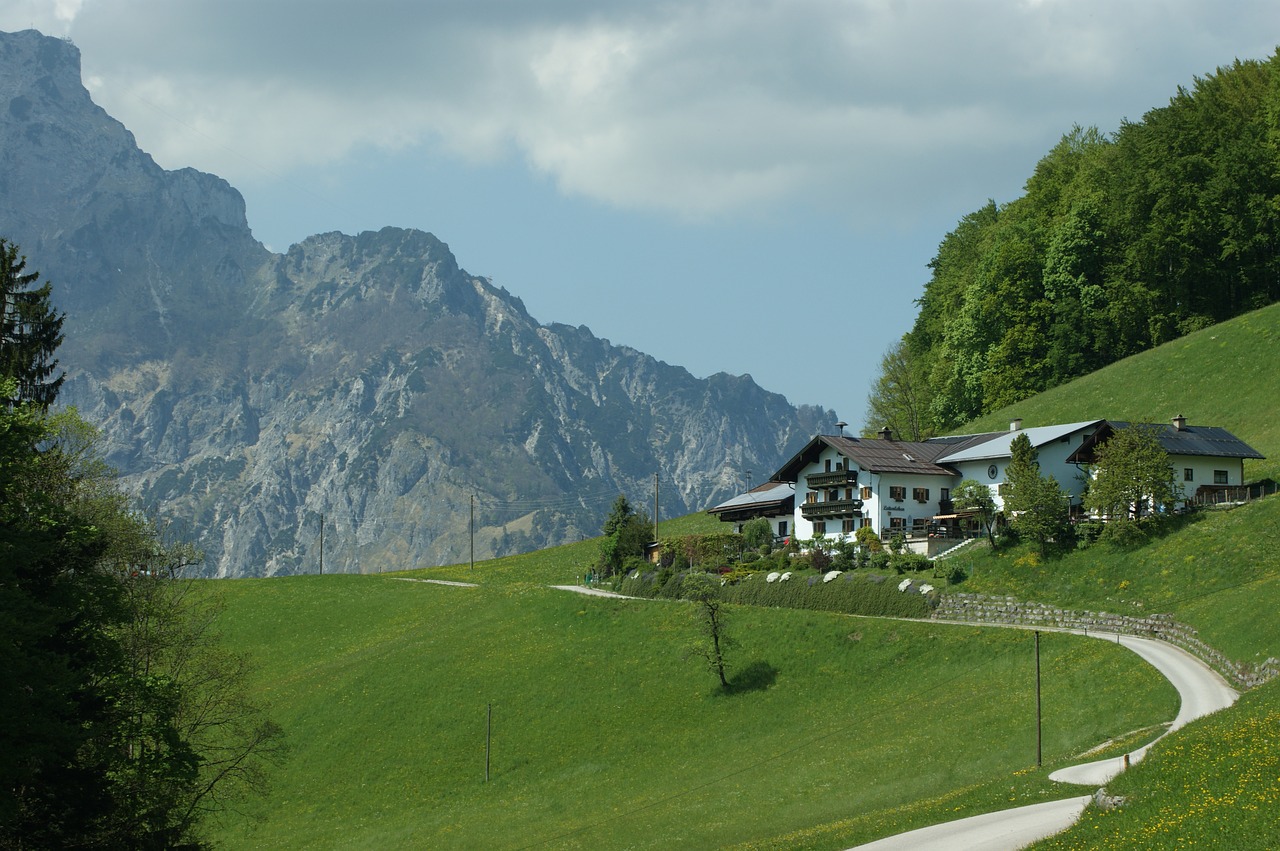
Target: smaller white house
(1205, 459)
(986, 459)
(775, 501)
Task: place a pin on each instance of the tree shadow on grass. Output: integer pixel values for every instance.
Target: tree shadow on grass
(758, 676)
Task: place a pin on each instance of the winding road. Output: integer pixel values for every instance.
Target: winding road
(1202, 692)
(1201, 689)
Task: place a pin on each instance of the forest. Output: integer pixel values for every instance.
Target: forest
(1121, 242)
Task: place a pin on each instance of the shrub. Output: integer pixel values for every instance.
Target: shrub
(878, 560)
(950, 570)
(1123, 535)
(911, 563)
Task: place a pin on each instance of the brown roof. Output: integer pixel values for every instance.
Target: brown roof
(877, 456)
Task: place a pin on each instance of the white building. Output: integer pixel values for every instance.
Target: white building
(841, 484)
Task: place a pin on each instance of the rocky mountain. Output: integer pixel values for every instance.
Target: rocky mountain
(357, 390)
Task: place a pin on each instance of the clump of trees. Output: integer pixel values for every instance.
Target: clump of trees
(626, 532)
(1120, 243)
(123, 722)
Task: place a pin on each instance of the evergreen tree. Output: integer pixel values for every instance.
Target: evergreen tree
(30, 332)
(1035, 505)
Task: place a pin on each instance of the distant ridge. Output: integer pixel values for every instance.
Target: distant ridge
(366, 385)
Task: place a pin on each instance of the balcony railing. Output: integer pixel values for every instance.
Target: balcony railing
(834, 508)
(836, 478)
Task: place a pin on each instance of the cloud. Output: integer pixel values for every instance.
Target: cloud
(700, 110)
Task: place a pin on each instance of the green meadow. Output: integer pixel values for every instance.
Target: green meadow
(605, 736)
(838, 730)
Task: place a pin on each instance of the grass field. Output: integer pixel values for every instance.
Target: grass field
(839, 730)
(605, 737)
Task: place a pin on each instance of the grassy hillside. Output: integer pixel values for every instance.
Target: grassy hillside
(1213, 784)
(1227, 375)
(840, 730)
(605, 737)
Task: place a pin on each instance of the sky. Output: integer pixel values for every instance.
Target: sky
(727, 185)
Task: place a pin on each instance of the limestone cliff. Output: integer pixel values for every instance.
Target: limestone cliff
(366, 382)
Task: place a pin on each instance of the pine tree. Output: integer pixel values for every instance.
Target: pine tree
(30, 332)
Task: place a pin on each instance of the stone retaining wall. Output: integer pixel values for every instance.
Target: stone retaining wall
(980, 608)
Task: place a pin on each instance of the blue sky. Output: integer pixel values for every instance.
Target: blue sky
(727, 185)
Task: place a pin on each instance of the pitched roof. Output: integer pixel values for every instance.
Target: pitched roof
(999, 444)
(1209, 441)
(762, 497)
(877, 456)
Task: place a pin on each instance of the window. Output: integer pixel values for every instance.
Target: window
(920, 494)
(819, 528)
(866, 492)
(1188, 474)
(1219, 477)
(782, 528)
(811, 496)
(897, 492)
(866, 521)
(828, 470)
(897, 522)
(846, 526)
(945, 495)
(848, 493)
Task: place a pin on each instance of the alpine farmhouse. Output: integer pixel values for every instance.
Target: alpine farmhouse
(836, 485)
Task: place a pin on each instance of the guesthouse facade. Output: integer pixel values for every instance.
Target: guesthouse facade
(839, 484)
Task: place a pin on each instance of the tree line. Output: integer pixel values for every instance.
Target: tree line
(1120, 243)
(124, 723)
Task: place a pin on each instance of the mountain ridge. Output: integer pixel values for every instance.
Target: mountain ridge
(364, 383)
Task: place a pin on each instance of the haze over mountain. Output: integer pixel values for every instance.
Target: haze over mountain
(367, 383)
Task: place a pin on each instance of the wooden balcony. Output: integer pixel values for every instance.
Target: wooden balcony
(836, 478)
(834, 508)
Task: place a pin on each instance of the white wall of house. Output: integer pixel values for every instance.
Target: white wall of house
(1192, 471)
(827, 462)
(1052, 458)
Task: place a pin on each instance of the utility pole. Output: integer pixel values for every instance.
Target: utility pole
(473, 547)
(322, 543)
(655, 508)
(1039, 753)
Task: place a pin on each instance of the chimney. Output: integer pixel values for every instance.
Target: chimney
(886, 433)
(1179, 423)
(1016, 425)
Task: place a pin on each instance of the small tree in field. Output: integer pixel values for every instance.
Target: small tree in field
(711, 617)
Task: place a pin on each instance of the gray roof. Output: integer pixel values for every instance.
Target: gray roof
(762, 496)
(1209, 441)
(998, 444)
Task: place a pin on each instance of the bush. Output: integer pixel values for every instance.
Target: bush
(1124, 535)
(911, 563)
(950, 570)
(1087, 533)
(878, 560)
